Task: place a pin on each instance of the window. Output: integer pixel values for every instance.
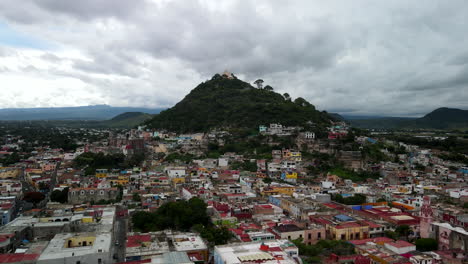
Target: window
(78, 262)
(319, 235)
(357, 235)
(343, 237)
(99, 261)
(309, 236)
(289, 237)
(300, 236)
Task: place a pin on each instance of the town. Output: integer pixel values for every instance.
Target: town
(273, 194)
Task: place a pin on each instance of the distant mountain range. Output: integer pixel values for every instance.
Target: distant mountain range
(92, 112)
(441, 118)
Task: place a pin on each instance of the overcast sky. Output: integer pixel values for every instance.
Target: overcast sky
(401, 58)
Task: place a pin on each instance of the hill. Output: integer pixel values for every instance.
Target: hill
(336, 117)
(127, 120)
(441, 118)
(229, 102)
(92, 112)
(445, 118)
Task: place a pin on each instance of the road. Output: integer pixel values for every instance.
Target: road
(28, 187)
(120, 237)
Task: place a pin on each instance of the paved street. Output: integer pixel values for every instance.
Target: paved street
(27, 187)
(120, 236)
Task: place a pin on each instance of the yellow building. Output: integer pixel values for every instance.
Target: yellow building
(8, 173)
(296, 155)
(79, 241)
(272, 190)
(123, 180)
(290, 175)
(178, 180)
(349, 231)
(87, 219)
(101, 173)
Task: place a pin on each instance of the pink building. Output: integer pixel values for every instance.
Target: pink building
(426, 218)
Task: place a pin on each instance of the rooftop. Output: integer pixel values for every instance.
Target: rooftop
(400, 244)
(57, 247)
(18, 257)
(271, 252)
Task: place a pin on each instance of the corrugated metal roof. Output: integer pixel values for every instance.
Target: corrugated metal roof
(257, 256)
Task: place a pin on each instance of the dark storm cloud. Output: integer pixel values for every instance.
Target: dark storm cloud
(365, 57)
(454, 81)
(242, 40)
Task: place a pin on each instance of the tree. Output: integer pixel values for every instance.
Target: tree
(287, 96)
(324, 246)
(267, 180)
(259, 83)
(136, 197)
(60, 196)
(180, 215)
(426, 244)
(403, 230)
(301, 101)
(33, 197)
(43, 186)
(214, 235)
(391, 234)
(352, 200)
(268, 88)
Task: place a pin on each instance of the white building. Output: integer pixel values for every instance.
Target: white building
(265, 252)
(222, 162)
(175, 172)
(78, 248)
(400, 247)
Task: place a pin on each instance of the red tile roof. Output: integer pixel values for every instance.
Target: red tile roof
(400, 244)
(372, 224)
(349, 225)
(18, 257)
(375, 240)
(135, 241)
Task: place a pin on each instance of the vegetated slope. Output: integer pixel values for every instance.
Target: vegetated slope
(336, 117)
(441, 118)
(444, 118)
(127, 120)
(224, 102)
